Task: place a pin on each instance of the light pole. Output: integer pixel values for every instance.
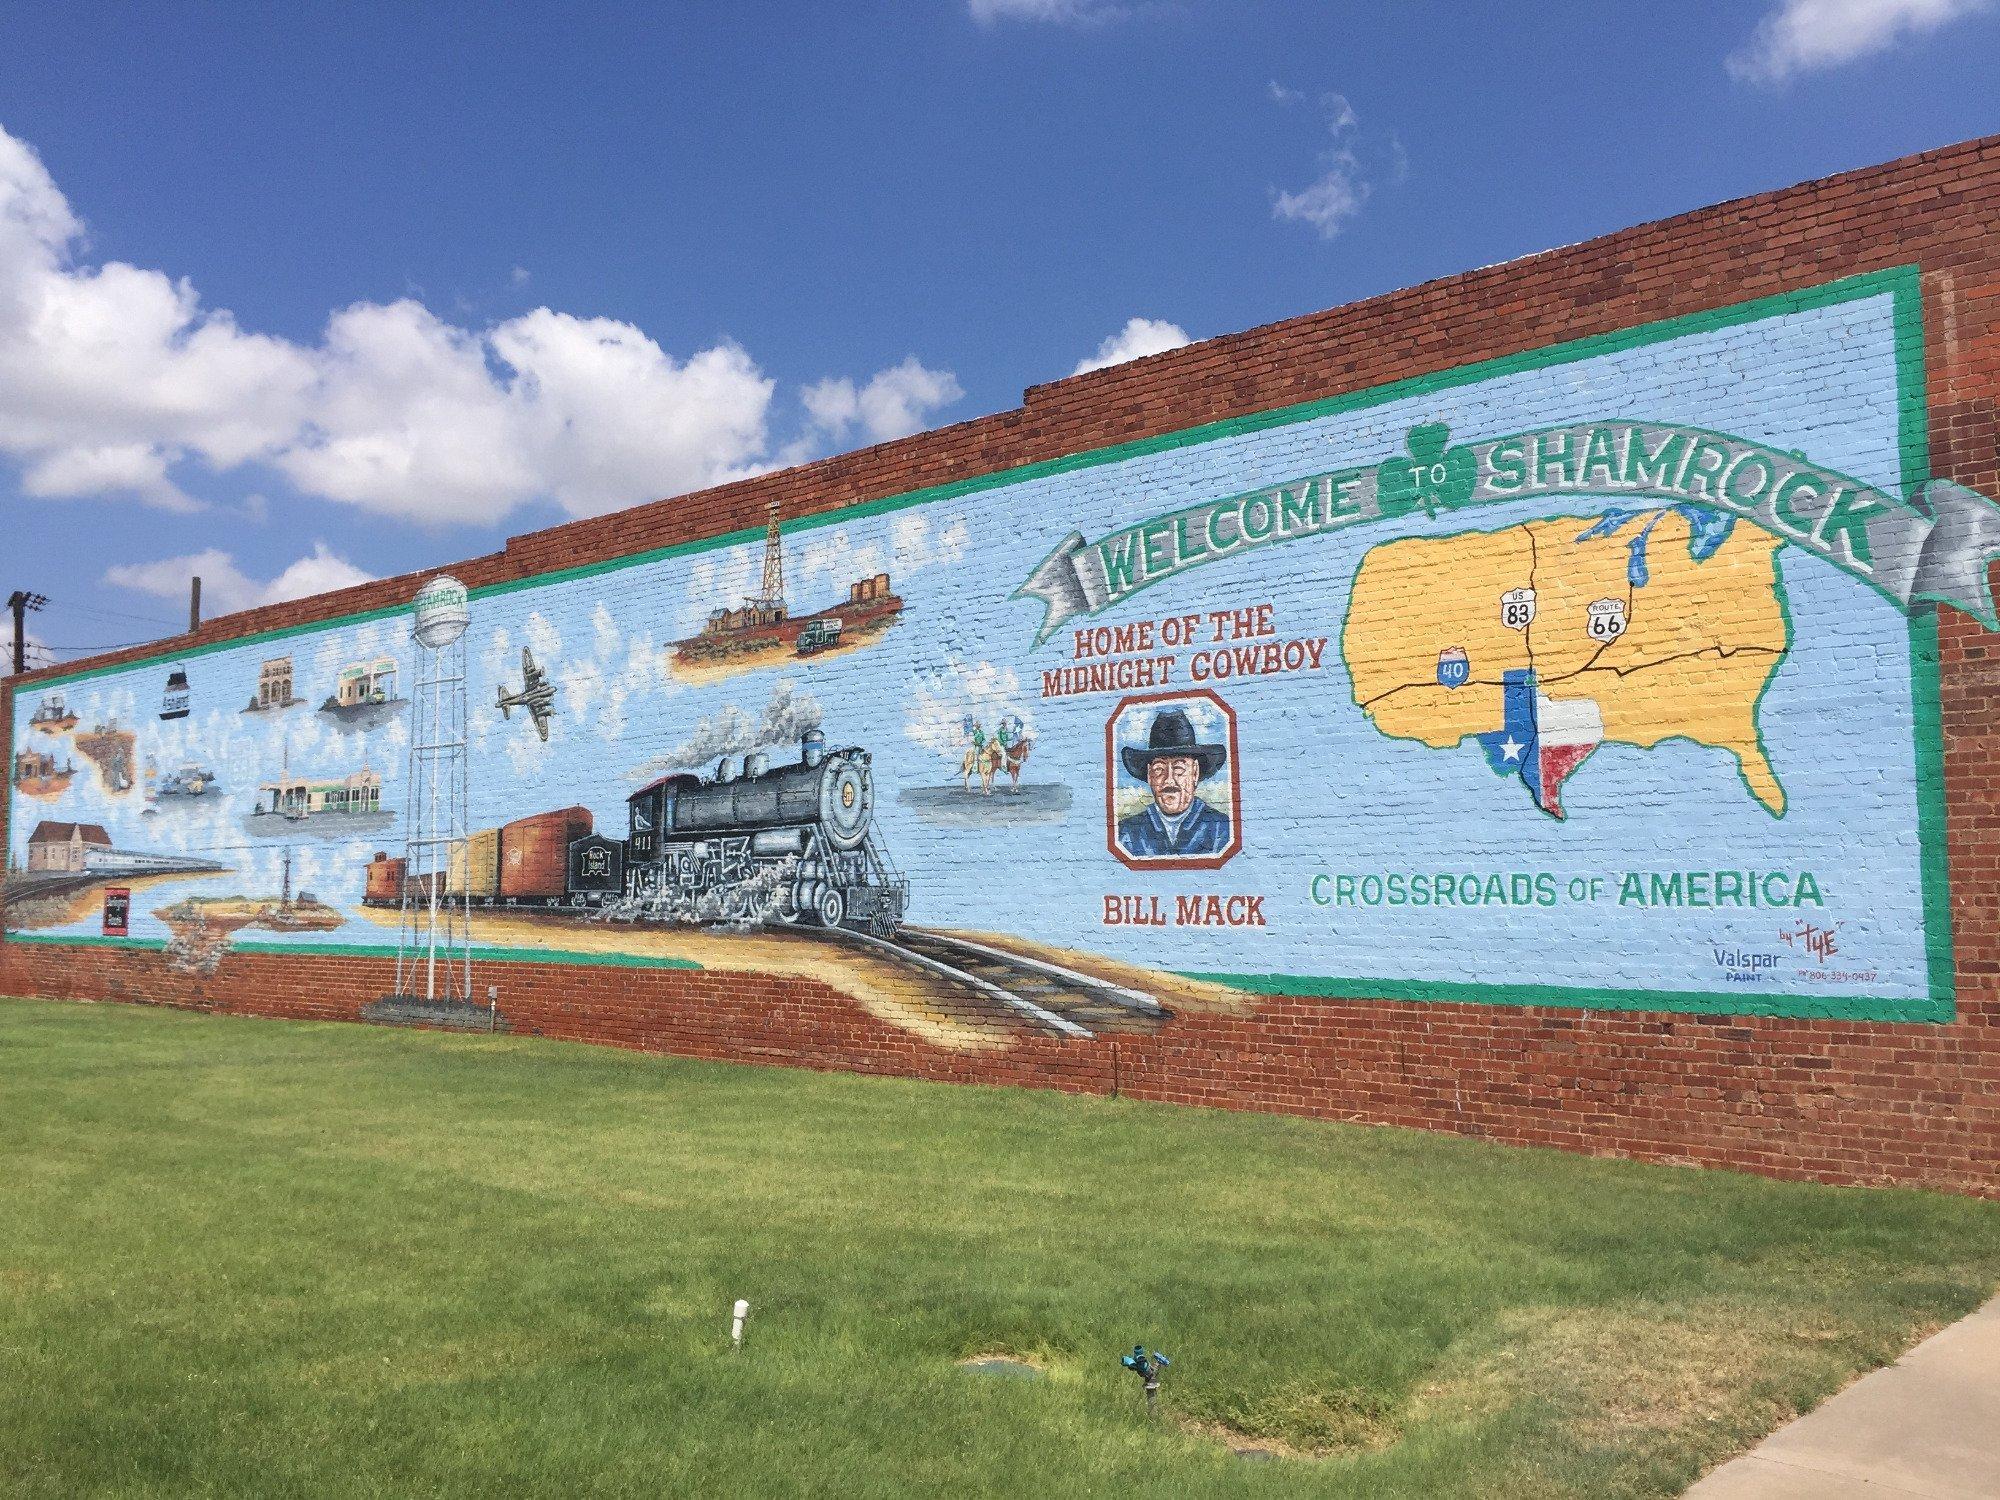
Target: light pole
(20, 602)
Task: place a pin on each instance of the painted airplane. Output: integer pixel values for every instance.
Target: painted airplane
(537, 695)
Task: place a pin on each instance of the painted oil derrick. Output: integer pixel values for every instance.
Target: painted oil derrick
(763, 626)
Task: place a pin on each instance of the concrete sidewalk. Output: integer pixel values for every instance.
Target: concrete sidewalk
(1927, 1425)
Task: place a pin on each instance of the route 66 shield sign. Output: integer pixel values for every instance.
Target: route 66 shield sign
(1606, 619)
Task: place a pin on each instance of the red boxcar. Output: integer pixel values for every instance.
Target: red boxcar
(385, 881)
(421, 888)
(534, 853)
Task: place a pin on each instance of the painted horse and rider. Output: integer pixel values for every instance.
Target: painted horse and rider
(1006, 749)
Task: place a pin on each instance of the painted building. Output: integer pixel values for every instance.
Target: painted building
(274, 682)
(34, 764)
(358, 792)
(63, 848)
(365, 682)
(1551, 704)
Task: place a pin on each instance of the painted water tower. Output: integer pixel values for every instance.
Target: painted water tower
(434, 945)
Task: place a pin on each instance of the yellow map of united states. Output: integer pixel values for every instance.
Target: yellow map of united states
(1686, 654)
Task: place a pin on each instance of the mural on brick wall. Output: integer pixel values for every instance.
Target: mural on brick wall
(1603, 676)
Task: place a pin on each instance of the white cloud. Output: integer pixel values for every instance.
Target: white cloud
(604, 632)
(616, 683)
(1340, 115)
(1328, 202)
(117, 381)
(543, 638)
(582, 685)
(319, 572)
(943, 697)
(718, 580)
(913, 546)
(1137, 339)
(529, 753)
(1061, 12)
(404, 406)
(1805, 36)
(591, 412)
(139, 469)
(597, 674)
(1343, 184)
(894, 403)
(108, 375)
(496, 657)
(829, 557)
(226, 588)
(602, 405)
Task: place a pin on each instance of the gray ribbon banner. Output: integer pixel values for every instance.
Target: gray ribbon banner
(1931, 547)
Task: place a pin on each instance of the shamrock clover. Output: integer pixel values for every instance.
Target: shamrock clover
(1433, 474)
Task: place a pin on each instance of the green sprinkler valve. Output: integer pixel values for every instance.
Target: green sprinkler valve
(1147, 1367)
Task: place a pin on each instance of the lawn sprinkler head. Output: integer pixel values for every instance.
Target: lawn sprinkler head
(1147, 1368)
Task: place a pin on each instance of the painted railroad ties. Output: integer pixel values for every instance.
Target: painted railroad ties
(1056, 999)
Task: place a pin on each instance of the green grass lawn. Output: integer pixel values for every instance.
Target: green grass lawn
(242, 1257)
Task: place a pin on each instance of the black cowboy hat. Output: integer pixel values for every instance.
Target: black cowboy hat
(1172, 734)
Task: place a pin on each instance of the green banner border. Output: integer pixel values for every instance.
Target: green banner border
(568, 957)
(1901, 283)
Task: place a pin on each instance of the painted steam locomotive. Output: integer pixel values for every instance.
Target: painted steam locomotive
(792, 843)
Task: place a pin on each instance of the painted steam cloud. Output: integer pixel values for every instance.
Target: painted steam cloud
(732, 731)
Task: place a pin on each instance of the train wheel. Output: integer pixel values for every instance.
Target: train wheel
(832, 906)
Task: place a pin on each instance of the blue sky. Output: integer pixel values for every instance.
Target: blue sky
(330, 293)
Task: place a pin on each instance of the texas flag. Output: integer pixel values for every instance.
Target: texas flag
(1541, 739)
(1565, 732)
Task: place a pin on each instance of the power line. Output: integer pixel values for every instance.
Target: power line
(112, 614)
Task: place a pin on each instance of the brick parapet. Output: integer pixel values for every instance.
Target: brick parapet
(1841, 1101)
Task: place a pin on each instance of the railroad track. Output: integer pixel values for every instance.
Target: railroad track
(1062, 1000)
(29, 887)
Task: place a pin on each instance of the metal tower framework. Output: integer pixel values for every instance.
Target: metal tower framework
(434, 943)
(771, 593)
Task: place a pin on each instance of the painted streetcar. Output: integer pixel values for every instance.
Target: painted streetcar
(793, 843)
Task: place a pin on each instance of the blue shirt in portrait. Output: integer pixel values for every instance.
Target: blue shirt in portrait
(1150, 835)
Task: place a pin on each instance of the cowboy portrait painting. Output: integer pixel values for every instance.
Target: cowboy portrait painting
(1174, 795)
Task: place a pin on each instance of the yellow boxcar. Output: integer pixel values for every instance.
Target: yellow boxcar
(475, 865)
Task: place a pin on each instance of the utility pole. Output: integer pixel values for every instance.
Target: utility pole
(20, 602)
(194, 605)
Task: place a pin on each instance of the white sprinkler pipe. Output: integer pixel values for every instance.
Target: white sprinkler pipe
(736, 1324)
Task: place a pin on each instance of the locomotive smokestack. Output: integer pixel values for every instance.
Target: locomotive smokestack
(812, 748)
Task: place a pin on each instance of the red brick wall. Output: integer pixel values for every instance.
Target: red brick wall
(1845, 1101)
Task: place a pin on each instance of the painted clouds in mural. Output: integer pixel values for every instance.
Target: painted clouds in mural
(1520, 683)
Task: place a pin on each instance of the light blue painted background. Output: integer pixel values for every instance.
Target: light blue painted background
(1323, 791)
